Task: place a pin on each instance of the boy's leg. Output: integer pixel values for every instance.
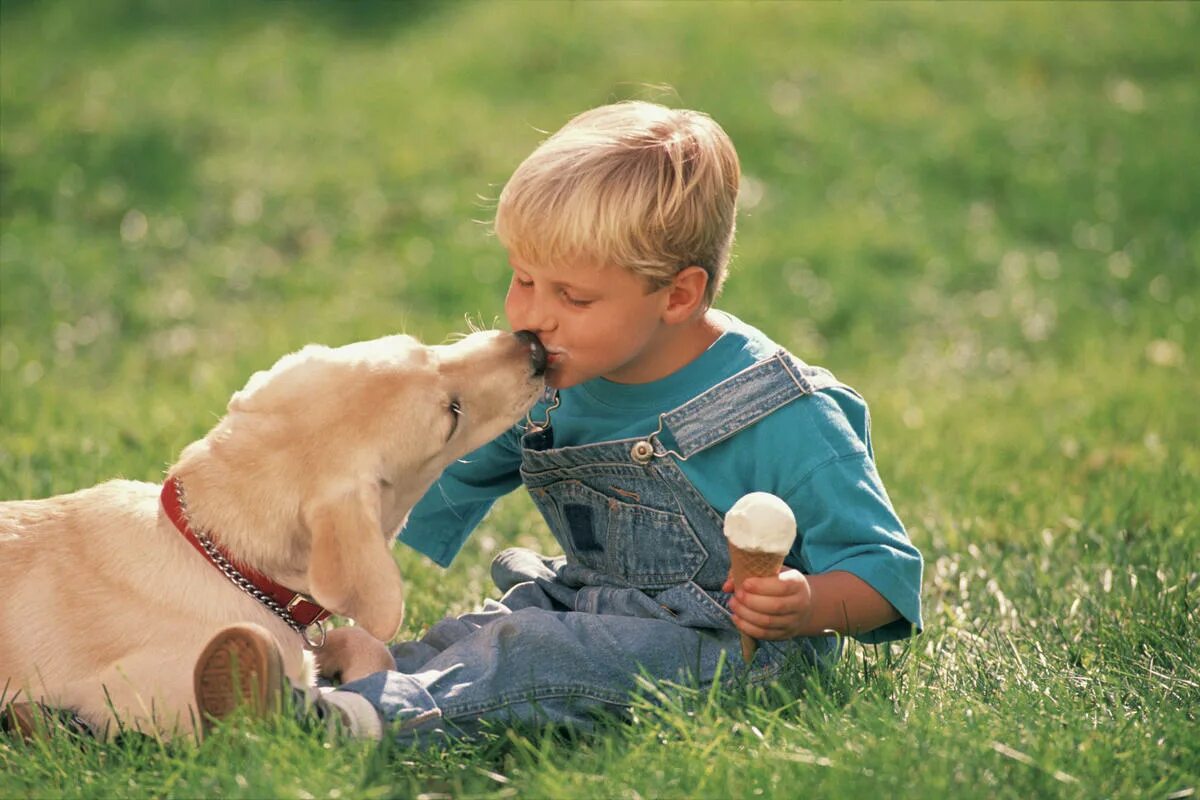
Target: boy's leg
(532, 665)
(535, 665)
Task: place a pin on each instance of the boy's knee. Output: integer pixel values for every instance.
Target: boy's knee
(531, 630)
(518, 565)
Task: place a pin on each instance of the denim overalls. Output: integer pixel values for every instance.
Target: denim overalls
(638, 590)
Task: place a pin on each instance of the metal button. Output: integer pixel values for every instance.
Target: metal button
(642, 452)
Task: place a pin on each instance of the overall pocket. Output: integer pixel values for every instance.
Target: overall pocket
(648, 547)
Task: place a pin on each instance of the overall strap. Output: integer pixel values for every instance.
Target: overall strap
(740, 401)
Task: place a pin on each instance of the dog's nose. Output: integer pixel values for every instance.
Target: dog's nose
(537, 353)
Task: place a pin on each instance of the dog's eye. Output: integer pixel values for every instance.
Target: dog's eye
(455, 409)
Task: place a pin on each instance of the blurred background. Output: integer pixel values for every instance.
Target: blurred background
(985, 217)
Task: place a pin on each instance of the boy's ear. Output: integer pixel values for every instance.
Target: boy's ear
(685, 295)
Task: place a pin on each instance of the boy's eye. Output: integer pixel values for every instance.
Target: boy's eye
(522, 283)
(575, 301)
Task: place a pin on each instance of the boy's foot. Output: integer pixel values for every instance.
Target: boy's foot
(242, 667)
(350, 713)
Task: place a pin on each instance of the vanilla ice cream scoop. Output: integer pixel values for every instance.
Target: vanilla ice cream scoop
(761, 522)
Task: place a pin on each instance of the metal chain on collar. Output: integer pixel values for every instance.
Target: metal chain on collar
(550, 396)
(246, 585)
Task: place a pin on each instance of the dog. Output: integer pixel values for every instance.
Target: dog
(283, 513)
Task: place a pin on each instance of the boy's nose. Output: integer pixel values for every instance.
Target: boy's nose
(537, 318)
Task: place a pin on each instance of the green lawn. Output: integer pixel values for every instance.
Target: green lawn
(985, 217)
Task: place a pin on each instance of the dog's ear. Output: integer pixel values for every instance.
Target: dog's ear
(350, 569)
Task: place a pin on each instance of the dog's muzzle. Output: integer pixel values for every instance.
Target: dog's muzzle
(537, 353)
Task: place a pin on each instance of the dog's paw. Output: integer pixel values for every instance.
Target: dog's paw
(352, 653)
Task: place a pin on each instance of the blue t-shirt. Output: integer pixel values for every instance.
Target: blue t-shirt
(815, 453)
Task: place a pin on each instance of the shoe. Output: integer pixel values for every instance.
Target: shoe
(241, 667)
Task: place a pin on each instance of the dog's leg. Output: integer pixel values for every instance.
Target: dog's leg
(151, 694)
(32, 721)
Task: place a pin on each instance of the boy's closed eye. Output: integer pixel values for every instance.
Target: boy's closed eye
(566, 293)
(574, 300)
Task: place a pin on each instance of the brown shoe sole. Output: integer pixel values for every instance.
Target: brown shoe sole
(240, 667)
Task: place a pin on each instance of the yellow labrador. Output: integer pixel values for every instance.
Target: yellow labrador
(110, 593)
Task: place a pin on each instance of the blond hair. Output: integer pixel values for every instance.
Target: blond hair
(634, 184)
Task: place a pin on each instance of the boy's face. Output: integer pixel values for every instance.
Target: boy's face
(593, 321)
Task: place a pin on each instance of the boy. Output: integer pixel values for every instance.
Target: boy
(662, 413)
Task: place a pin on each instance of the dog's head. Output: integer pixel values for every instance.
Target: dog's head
(335, 445)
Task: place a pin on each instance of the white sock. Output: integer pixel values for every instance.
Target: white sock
(357, 712)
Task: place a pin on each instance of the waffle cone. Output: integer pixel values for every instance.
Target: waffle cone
(752, 564)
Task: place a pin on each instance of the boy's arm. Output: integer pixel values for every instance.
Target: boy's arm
(793, 604)
(862, 573)
(443, 519)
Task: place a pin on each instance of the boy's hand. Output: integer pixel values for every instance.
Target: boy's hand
(772, 608)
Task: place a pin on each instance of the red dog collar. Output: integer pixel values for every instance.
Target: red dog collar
(298, 610)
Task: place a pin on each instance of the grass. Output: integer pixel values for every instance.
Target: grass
(984, 217)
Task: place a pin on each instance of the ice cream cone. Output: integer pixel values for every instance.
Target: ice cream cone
(752, 564)
(759, 529)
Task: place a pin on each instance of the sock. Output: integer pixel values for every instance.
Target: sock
(355, 712)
